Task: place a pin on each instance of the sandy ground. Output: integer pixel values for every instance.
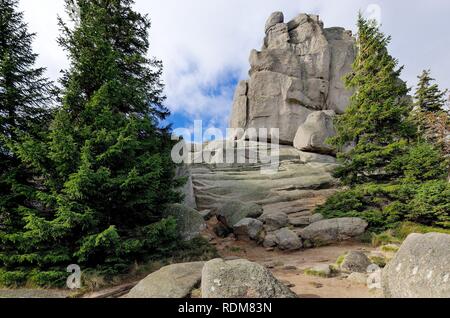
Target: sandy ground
(288, 267)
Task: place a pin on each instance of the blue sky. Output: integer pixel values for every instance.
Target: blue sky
(205, 44)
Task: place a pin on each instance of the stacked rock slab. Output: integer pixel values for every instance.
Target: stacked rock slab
(298, 72)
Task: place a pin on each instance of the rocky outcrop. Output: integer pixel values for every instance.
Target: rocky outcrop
(298, 72)
(173, 281)
(420, 269)
(232, 212)
(287, 240)
(355, 262)
(312, 135)
(190, 222)
(240, 279)
(333, 230)
(248, 229)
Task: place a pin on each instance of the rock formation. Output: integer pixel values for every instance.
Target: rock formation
(420, 269)
(241, 279)
(298, 72)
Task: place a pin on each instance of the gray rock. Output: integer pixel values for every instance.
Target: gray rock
(275, 18)
(187, 190)
(314, 132)
(173, 281)
(270, 240)
(240, 279)
(190, 223)
(359, 278)
(274, 221)
(333, 230)
(248, 229)
(316, 218)
(206, 214)
(232, 212)
(420, 269)
(321, 270)
(298, 71)
(355, 262)
(288, 240)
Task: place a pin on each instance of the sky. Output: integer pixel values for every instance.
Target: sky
(205, 44)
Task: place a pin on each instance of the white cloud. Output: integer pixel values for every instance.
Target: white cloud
(203, 42)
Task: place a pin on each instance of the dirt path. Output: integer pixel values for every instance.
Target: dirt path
(289, 267)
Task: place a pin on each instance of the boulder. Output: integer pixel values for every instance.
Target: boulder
(313, 133)
(190, 222)
(420, 269)
(274, 18)
(287, 240)
(248, 229)
(274, 221)
(298, 71)
(358, 278)
(173, 281)
(233, 211)
(333, 230)
(240, 279)
(187, 190)
(355, 262)
(320, 270)
(270, 240)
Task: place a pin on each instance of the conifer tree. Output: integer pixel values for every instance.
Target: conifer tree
(428, 97)
(376, 119)
(25, 98)
(105, 166)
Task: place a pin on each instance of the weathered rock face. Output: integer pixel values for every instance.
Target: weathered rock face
(333, 230)
(190, 222)
(314, 132)
(240, 279)
(248, 229)
(233, 212)
(173, 281)
(298, 71)
(420, 269)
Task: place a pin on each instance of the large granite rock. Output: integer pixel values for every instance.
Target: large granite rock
(249, 229)
(312, 135)
(232, 212)
(173, 281)
(240, 279)
(287, 240)
(190, 222)
(298, 71)
(333, 230)
(420, 269)
(187, 190)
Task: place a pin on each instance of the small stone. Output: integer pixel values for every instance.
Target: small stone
(320, 270)
(359, 278)
(355, 262)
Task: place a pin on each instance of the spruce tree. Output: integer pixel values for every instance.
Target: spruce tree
(25, 98)
(105, 166)
(376, 119)
(428, 97)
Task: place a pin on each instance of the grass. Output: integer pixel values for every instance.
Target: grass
(312, 272)
(400, 233)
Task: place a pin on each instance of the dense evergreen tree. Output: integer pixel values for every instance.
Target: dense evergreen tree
(25, 97)
(395, 173)
(376, 119)
(105, 168)
(428, 97)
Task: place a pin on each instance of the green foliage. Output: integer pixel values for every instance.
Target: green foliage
(375, 122)
(385, 205)
(394, 173)
(428, 97)
(102, 173)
